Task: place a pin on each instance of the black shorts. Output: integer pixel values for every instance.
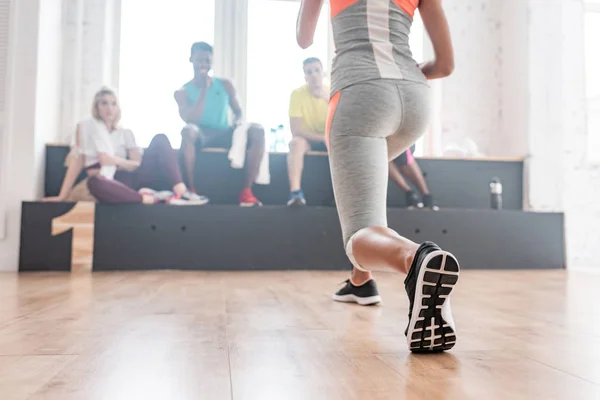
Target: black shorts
(215, 138)
(317, 145)
(407, 157)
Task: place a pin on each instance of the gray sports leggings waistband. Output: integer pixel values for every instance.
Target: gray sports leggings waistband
(370, 123)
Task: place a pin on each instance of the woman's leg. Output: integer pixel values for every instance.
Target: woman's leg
(361, 118)
(359, 167)
(114, 192)
(159, 169)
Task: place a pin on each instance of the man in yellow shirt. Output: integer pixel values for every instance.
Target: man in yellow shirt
(308, 116)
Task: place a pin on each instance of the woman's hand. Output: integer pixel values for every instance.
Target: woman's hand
(106, 159)
(53, 199)
(321, 93)
(436, 24)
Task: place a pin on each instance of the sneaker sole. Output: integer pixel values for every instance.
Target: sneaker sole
(249, 205)
(363, 301)
(296, 203)
(427, 330)
(181, 202)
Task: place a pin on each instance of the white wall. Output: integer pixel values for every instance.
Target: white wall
(581, 187)
(471, 102)
(49, 84)
(512, 138)
(90, 34)
(32, 113)
(61, 53)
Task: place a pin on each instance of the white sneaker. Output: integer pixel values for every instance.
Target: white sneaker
(194, 198)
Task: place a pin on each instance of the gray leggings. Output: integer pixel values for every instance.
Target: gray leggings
(369, 124)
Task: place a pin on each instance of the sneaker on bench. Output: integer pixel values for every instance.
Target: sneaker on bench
(168, 197)
(160, 196)
(247, 199)
(194, 198)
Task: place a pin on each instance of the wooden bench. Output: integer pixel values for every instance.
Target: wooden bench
(63, 236)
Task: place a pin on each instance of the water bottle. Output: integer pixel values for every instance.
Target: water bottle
(272, 144)
(280, 147)
(496, 194)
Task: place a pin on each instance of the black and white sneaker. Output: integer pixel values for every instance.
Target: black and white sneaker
(365, 294)
(413, 201)
(429, 203)
(429, 282)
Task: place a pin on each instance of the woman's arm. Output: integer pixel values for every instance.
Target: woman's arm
(120, 163)
(74, 168)
(134, 156)
(436, 24)
(307, 22)
(133, 150)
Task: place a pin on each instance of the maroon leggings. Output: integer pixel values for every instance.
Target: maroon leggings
(159, 170)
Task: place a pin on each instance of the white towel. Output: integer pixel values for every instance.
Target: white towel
(237, 154)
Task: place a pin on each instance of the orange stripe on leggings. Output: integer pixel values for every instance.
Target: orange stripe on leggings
(337, 6)
(408, 6)
(333, 103)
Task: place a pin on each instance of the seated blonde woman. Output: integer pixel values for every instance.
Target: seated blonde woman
(117, 171)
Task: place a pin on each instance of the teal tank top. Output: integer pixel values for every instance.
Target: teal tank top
(216, 104)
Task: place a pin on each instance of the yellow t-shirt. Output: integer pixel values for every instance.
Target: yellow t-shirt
(312, 110)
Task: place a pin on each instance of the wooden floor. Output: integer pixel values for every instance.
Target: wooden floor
(197, 335)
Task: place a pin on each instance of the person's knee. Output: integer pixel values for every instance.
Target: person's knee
(94, 184)
(190, 133)
(191, 137)
(161, 140)
(256, 135)
(298, 145)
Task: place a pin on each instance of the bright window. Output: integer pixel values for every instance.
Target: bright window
(417, 38)
(417, 47)
(592, 71)
(275, 60)
(156, 37)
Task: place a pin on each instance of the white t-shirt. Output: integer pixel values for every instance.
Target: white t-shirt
(95, 138)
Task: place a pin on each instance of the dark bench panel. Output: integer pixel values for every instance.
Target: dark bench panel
(137, 237)
(454, 183)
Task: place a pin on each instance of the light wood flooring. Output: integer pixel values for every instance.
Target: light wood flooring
(277, 335)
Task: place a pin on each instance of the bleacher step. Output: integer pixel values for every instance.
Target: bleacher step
(220, 237)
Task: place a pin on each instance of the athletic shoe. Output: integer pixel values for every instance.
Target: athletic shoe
(168, 197)
(413, 201)
(429, 203)
(181, 201)
(365, 294)
(429, 282)
(194, 198)
(297, 198)
(247, 199)
(162, 196)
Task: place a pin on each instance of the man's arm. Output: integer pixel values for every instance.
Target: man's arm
(233, 101)
(298, 129)
(190, 113)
